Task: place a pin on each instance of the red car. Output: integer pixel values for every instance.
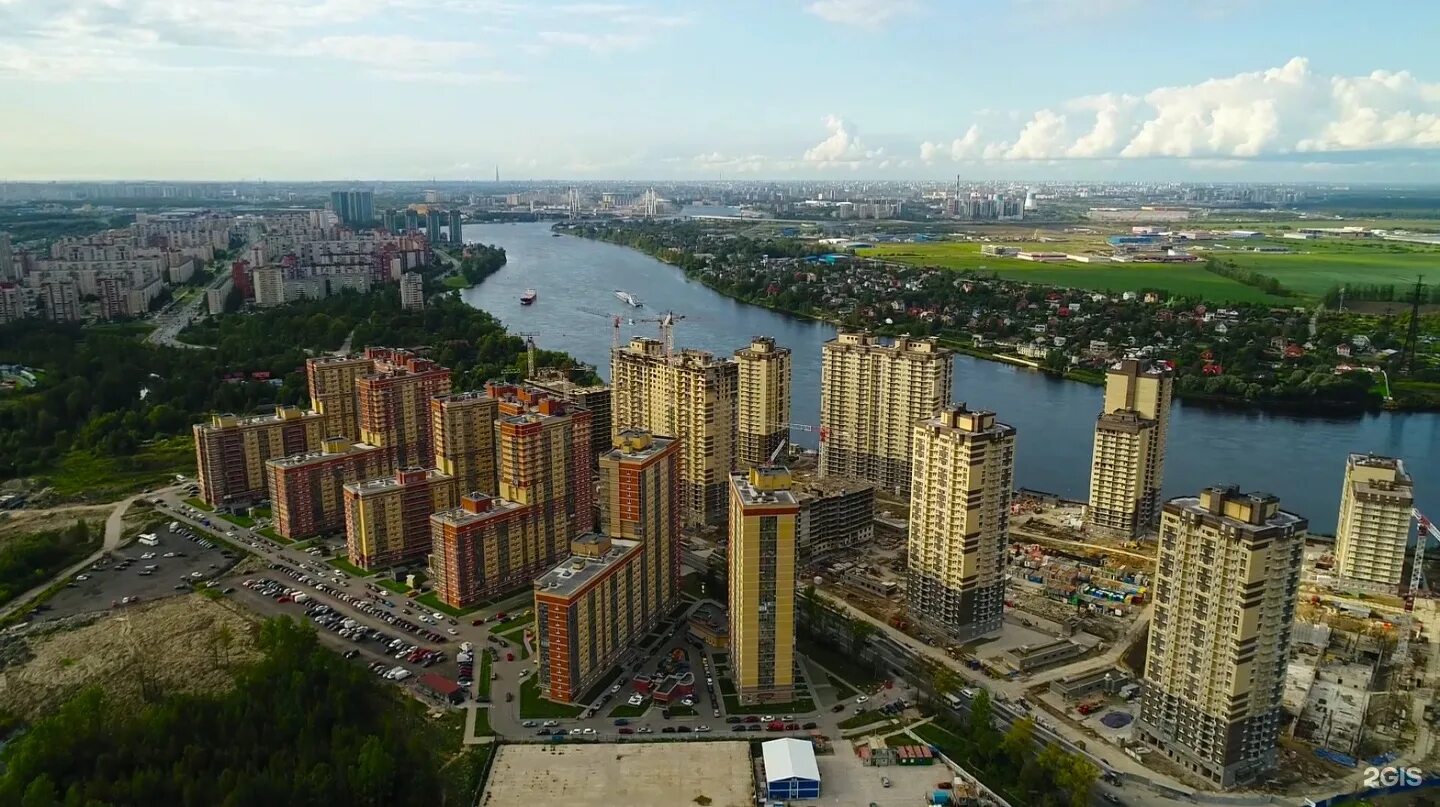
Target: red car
(752, 719)
(627, 730)
(475, 623)
(776, 726)
(509, 656)
(792, 726)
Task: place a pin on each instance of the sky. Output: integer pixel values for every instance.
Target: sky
(1153, 90)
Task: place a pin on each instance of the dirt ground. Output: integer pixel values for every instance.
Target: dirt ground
(183, 643)
(21, 522)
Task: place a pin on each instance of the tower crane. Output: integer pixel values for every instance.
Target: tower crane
(530, 352)
(666, 321)
(1427, 530)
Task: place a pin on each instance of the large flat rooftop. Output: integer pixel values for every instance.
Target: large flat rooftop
(629, 774)
(578, 570)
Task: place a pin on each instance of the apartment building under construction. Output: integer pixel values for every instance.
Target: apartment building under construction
(871, 395)
(594, 398)
(1373, 530)
(690, 396)
(395, 405)
(959, 522)
(1128, 459)
(231, 452)
(763, 412)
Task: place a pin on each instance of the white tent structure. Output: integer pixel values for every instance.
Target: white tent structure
(790, 769)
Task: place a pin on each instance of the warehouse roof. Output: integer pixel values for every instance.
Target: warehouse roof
(789, 758)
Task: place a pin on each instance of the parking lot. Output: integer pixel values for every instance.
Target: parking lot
(845, 780)
(177, 562)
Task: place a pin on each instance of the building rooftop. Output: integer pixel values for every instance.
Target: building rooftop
(464, 397)
(1249, 512)
(959, 418)
(830, 485)
(321, 361)
(331, 452)
(1125, 420)
(595, 555)
(637, 445)
(905, 343)
(401, 478)
(283, 414)
(476, 507)
(767, 484)
(789, 758)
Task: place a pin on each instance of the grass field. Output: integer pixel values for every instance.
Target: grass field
(86, 476)
(392, 585)
(626, 710)
(1188, 280)
(512, 626)
(1315, 266)
(348, 567)
(864, 718)
(430, 600)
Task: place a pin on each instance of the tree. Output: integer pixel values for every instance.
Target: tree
(982, 723)
(1018, 742)
(809, 610)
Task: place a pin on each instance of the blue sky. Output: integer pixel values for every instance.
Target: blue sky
(908, 89)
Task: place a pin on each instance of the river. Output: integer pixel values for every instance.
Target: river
(1300, 459)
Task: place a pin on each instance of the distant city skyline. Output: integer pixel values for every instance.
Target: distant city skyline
(667, 90)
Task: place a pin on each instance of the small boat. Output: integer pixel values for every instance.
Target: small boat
(554, 235)
(528, 297)
(628, 299)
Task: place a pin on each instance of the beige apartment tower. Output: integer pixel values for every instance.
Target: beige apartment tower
(871, 395)
(763, 414)
(691, 397)
(334, 392)
(231, 452)
(1373, 530)
(762, 584)
(1128, 460)
(1225, 594)
(964, 468)
(462, 428)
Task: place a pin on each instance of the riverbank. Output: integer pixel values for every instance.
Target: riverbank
(1331, 395)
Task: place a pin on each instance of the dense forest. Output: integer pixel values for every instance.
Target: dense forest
(107, 391)
(480, 262)
(301, 727)
(27, 561)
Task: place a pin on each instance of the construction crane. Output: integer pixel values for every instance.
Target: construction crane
(530, 352)
(776, 453)
(666, 321)
(1427, 530)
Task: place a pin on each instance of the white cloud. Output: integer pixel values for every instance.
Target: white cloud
(745, 164)
(860, 13)
(1247, 116)
(842, 148)
(596, 43)
(397, 49)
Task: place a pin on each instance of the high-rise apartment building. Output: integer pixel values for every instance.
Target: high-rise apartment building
(387, 520)
(307, 490)
(762, 584)
(61, 299)
(12, 302)
(836, 514)
(457, 229)
(588, 612)
(1128, 462)
(231, 452)
(412, 291)
(462, 428)
(433, 231)
(871, 396)
(964, 468)
(593, 398)
(269, 282)
(391, 220)
(334, 392)
(763, 413)
(395, 405)
(543, 460)
(354, 208)
(7, 260)
(490, 545)
(640, 500)
(690, 396)
(1225, 594)
(482, 549)
(1373, 531)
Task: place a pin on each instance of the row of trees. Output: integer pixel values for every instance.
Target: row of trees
(301, 727)
(480, 262)
(109, 391)
(1249, 277)
(1380, 292)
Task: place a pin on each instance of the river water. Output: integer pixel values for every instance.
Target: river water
(1301, 460)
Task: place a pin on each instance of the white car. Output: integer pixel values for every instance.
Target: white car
(550, 724)
(767, 719)
(862, 699)
(438, 615)
(82, 578)
(575, 731)
(589, 731)
(452, 631)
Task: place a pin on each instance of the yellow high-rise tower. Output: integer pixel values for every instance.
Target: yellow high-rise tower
(871, 395)
(959, 521)
(1373, 530)
(762, 584)
(1128, 461)
(462, 428)
(1225, 593)
(763, 415)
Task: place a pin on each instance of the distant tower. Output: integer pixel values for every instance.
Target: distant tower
(1407, 353)
(1031, 205)
(497, 172)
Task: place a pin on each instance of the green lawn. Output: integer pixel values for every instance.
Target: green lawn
(238, 520)
(392, 585)
(1187, 280)
(199, 504)
(946, 741)
(348, 567)
(734, 707)
(483, 681)
(533, 706)
(838, 662)
(626, 710)
(843, 691)
(81, 475)
(482, 723)
(1315, 266)
(269, 532)
(681, 710)
(430, 600)
(864, 718)
(513, 628)
(897, 740)
(455, 282)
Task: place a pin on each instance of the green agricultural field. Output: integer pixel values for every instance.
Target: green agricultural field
(1315, 266)
(1188, 280)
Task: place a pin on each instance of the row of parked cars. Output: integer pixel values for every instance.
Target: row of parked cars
(362, 604)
